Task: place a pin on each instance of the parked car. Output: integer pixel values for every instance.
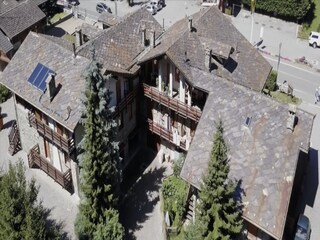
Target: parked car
(314, 39)
(156, 3)
(303, 229)
(102, 7)
(152, 9)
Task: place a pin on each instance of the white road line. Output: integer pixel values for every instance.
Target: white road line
(290, 65)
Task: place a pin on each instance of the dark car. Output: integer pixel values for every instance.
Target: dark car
(303, 228)
(102, 7)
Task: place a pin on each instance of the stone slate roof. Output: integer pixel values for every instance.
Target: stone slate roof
(245, 66)
(5, 44)
(17, 16)
(108, 19)
(90, 31)
(68, 74)
(263, 156)
(120, 45)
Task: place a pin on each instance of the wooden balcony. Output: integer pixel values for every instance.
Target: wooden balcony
(60, 141)
(164, 133)
(174, 104)
(36, 160)
(126, 101)
(14, 139)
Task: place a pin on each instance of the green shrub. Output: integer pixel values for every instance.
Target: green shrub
(4, 93)
(174, 191)
(271, 83)
(177, 166)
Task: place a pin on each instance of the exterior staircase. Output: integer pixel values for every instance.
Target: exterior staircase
(14, 139)
(190, 211)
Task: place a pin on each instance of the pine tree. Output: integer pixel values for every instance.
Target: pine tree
(219, 214)
(99, 161)
(22, 217)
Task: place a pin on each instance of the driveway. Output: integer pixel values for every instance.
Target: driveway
(141, 214)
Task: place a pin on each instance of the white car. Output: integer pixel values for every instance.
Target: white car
(152, 9)
(314, 39)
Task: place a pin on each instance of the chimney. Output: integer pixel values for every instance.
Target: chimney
(143, 37)
(292, 119)
(207, 59)
(51, 86)
(153, 39)
(74, 49)
(190, 24)
(78, 38)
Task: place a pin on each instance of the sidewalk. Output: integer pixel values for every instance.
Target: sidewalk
(275, 32)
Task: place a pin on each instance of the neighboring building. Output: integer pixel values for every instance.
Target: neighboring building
(45, 76)
(48, 106)
(118, 49)
(17, 18)
(202, 70)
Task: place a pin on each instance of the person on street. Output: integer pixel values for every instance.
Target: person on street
(317, 95)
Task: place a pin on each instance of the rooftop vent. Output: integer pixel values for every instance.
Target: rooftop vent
(143, 37)
(292, 118)
(78, 37)
(190, 24)
(248, 121)
(208, 59)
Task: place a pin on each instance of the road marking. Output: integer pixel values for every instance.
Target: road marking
(290, 65)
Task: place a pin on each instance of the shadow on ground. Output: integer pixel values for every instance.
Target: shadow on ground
(312, 178)
(140, 200)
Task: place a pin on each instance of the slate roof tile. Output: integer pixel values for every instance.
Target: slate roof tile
(68, 71)
(263, 156)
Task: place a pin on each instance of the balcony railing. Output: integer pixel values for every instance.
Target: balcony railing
(164, 133)
(14, 139)
(60, 141)
(36, 160)
(174, 104)
(126, 101)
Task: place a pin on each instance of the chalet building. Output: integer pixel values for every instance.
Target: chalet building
(46, 77)
(169, 88)
(17, 19)
(202, 70)
(118, 49)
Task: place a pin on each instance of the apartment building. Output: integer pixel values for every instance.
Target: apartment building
(202, 70)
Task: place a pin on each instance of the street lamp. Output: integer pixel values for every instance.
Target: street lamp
(253, 6)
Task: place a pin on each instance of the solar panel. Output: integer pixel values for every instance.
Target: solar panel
(39, 75)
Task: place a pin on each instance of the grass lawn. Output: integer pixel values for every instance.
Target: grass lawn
(57, 17)
(284, 98)
(314, 25)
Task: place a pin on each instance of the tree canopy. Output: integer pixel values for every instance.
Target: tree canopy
(218, 214)
(22, 216)
(293, 9)
(100, 163)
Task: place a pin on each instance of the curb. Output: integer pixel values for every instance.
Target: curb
(306, 64)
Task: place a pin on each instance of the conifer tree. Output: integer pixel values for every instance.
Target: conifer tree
(22, 217)
(98, 217)
(219, 215)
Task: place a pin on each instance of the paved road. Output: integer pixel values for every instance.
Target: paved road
(303, 79)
